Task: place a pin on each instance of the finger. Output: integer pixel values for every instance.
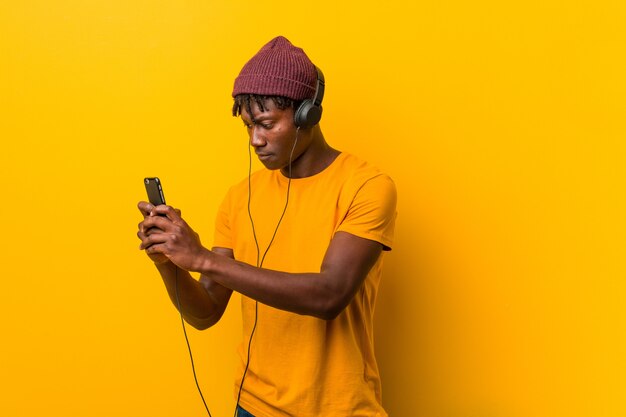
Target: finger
(145, 208)
(152, 230)
(144, 242)
(167, 211)
(143, 234)
(141, 226)
(157, 239)
(158, 222)
(155, 248)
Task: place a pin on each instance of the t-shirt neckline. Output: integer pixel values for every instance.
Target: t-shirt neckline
(330, 167)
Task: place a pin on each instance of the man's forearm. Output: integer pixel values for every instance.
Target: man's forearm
(302, 293)
(322, 294)
(196, 304)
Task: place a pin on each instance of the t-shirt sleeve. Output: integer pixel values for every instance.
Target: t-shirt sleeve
(223, 232)
(372, 214)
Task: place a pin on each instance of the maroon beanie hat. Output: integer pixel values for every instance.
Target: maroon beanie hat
(278, 69)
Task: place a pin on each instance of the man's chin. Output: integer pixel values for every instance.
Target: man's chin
(269, 164)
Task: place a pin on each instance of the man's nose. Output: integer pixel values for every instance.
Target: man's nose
(256, 137)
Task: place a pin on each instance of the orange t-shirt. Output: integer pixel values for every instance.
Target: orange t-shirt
(301, 365)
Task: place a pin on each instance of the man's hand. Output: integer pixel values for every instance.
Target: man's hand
(166, 236)
(146, 208)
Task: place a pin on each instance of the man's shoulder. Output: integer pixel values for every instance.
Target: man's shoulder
(358, 170)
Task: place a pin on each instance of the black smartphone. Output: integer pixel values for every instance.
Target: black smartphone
(154, 190)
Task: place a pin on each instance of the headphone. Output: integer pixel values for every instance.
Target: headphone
(309, 112)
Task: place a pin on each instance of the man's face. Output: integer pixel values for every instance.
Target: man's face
(272, 133)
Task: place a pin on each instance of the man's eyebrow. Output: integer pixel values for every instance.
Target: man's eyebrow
(263, 116)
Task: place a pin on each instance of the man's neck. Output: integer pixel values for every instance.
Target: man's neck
(316, 158)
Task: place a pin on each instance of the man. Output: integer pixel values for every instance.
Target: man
(301, 241)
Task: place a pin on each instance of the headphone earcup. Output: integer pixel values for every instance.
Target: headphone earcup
(308, 114)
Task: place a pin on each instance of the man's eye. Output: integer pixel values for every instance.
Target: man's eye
(267, 125)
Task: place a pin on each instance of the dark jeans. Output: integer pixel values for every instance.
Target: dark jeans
(243, 413)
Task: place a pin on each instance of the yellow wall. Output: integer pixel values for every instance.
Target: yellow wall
(503, 124)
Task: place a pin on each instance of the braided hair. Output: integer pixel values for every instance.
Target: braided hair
(242, 101)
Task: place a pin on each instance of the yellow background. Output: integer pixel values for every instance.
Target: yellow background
(503, 124)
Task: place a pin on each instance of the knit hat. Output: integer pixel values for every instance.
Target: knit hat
(278, 69)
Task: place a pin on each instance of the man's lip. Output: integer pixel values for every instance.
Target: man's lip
(263, 155)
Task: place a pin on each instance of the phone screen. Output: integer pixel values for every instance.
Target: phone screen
(154, 190)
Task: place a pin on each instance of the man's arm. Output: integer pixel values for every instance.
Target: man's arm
(202, 302)
(323, 294)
